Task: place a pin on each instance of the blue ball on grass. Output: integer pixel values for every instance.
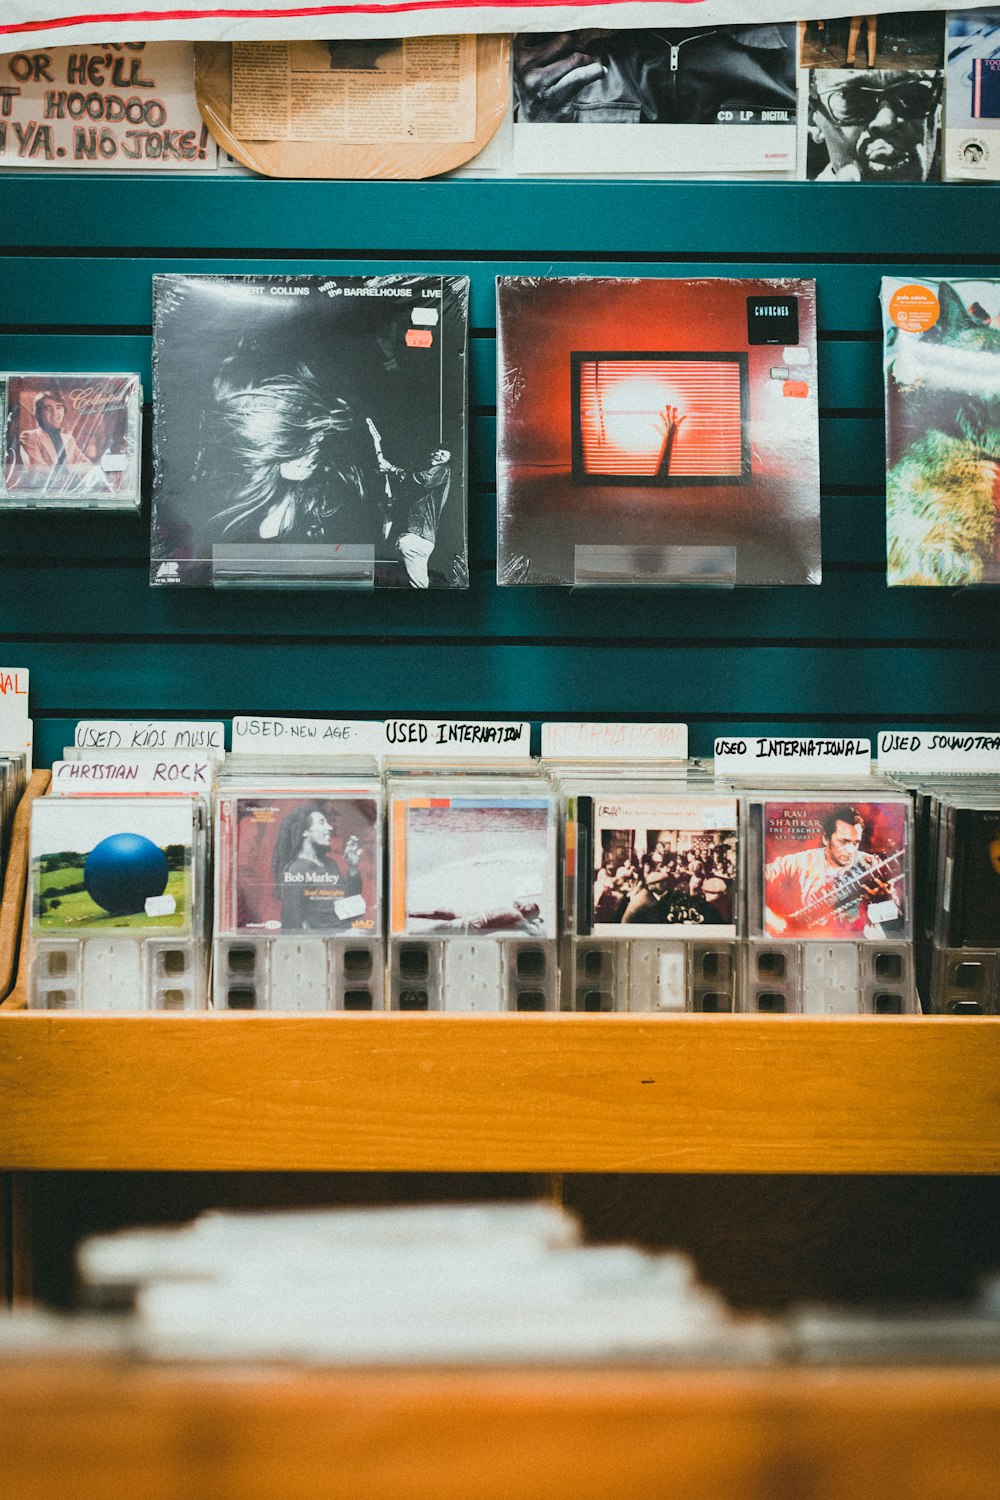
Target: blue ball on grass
(123, 871)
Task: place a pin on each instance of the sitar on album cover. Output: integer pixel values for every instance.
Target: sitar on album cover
(835, 869)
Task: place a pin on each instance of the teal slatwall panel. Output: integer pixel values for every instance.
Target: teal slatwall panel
(76, 261)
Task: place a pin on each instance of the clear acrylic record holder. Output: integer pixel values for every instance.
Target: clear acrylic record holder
(623, 566)
(630, 970)
(823, 975)
(299, 971)
(290, 565)
(472, 968)
(124, 970)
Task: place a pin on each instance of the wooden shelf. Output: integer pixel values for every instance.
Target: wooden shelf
(505, 1093)
(103, 1431)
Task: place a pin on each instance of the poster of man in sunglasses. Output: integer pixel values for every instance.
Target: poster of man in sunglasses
(874, 97)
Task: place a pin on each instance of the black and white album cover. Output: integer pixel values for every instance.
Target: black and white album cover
(310, 430)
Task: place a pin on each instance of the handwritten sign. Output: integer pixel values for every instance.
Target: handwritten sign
(774, 757)
(266, 736)
(33, 22)
(614, 741)
(119, 105)
(952, 751)
(151, 734)
(15, 726)
(456, 739)
(126, 774)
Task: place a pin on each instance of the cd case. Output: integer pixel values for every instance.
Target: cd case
(658, 866)
(310, 431)
(299, 862)
(481, 865)
(71, 441)
(657, 432)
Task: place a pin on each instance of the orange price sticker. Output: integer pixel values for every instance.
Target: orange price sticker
(419, 338)
(914, 308)
(798, 388)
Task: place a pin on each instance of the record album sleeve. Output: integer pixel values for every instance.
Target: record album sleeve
(835, 869)
(942, 402)
(655, 431)
(475, 866)
(310, 431)
(661, 866)
(70, 441)
(972, 96)
(299, 864)
(106, 863)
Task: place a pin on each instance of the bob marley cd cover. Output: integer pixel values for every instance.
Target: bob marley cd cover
(661, 866)
(835, 869)
(655, 431)
(306, 863)
(473, 866)
(974, 914)
(942, 408)
(310, 431)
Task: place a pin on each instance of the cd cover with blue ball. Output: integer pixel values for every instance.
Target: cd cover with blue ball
(111, 863)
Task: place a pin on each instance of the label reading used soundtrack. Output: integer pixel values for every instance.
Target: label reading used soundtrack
(150, 734)
(299, 864)
(664, 866)
(456, 739)
(266, 736)
(614, 741)
(98, 864)
(473, 867)
(834, 869)
(787, 756)
(929, 750)
(144, 773)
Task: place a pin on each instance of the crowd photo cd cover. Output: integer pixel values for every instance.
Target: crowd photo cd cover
(663, 866)
(835, 869)
(942, 407)
(299, 864)
(310, 430)
(657, 431)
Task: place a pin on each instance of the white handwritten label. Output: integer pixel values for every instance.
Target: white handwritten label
(265, 736)
(133, 773)
(614, 741)
(15, 726)
(456, 739)
(928, 750)
(151, 734)
(787, 756)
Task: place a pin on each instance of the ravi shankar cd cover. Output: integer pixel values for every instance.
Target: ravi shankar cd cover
(835, 869)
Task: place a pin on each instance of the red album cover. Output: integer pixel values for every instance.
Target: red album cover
(305, 864)
(835, 869)
(654, 430)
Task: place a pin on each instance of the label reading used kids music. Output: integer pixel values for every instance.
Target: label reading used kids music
(150, 734)
(947, 750)
(266, 736)
(614, 741)
(787, 756)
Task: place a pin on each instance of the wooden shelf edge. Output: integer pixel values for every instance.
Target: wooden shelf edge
(486, 1435)
(720, 1094)
(15, 884)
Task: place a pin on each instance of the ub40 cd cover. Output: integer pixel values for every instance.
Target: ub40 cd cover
(835, 869)
(70, 441)
(975, 893)
(310, 430)
(657, 431)
(942, 404)
(100, 863)
(299, 864)
(473, 866)
(663, 866)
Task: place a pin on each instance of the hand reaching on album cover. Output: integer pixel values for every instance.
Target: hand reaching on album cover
(551, 69)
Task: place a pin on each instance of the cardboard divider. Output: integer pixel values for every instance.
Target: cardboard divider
(14, 910)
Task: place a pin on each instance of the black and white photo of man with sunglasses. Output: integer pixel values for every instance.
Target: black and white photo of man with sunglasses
(874, 126)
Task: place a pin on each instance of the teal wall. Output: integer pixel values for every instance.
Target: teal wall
(78, 255)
